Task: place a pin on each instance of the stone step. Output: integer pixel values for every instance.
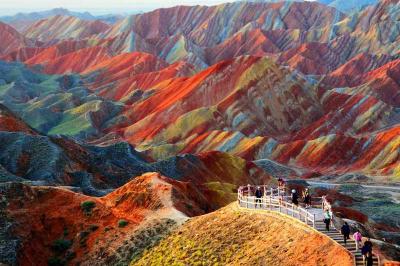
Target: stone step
(335, 235)
(347, 244)
(359, 257)
(331, 230)
(340, 240)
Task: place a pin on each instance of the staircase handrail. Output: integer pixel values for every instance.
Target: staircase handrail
(271, 200)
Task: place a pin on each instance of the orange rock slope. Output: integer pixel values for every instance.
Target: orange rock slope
(94, 227)
(43, 215)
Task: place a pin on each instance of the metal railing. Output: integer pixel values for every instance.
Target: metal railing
(273, 199)
(326, 205)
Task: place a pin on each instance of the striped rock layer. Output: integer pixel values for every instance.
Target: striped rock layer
(297, 82)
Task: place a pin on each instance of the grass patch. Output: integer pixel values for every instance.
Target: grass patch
(122, 223)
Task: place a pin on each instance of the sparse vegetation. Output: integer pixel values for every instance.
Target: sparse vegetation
(88, 206)
(141, 239)
(122, 223)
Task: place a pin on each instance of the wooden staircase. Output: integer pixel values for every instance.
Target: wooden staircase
(350, 245)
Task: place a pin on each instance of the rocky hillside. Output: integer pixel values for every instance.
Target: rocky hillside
(56, 226)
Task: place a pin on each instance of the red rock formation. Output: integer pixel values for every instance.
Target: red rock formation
(385, 82)
(130, 89)
(11, 39)
(110, 77)
(350, 73)
(312, 58)
(222, 85)
(374, 153)
(22, 54)
(76, 62)
(9, 122)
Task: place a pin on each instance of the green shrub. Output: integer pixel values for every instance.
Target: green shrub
(87, 206)
(61, 245)
(122, 223)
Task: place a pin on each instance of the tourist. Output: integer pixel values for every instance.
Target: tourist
(357, 238)
(281, 185)
(295, 197)
(345, 230)
(280, 182)
(364, 251)
(368, 243)
(258, 196)
(307, 198)
(369, 260)
(327, 219)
